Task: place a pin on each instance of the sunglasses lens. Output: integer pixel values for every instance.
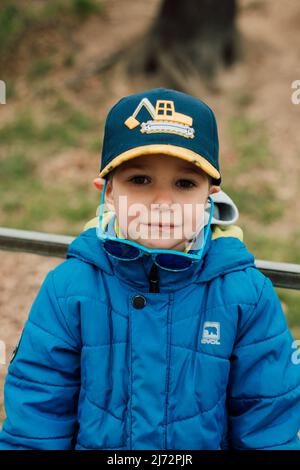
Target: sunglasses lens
(173, 262)
(121, 250)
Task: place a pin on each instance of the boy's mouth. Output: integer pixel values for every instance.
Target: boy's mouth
(161, 225)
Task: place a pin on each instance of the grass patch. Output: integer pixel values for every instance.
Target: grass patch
(55, 132)
(23, 128)
(243, 100)
(28, 202)
(80, 9)
(14, 166)
(34, 202)
(249, 139)
(39, 69)
(65, 131)
(10, 90)
(13, 22)
(61, 106)
(17, 17)
(69, 60)
(77, 210)
(291, 305)
(80, 122)
(72, 117)
(273, 248)
(85, 8)
(260, 205)
(95, 145)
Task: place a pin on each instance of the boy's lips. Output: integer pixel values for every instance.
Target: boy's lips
(169, 226)
(160, 225)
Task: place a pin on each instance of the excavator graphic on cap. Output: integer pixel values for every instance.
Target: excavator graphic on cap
(164, 119)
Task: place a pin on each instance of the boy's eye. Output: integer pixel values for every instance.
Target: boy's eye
(138, 179)
(142, 180)
(186, 184)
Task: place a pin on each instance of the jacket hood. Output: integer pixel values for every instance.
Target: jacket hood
(220, 256)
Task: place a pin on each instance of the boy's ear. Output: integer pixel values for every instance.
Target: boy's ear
(214, 189)
(98, 183)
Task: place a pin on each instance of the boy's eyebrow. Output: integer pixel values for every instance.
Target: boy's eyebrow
(195, 170)
(139, 166)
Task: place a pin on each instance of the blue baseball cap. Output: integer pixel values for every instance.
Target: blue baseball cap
(161, 121)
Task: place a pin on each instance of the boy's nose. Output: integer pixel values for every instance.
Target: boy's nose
(163, 198)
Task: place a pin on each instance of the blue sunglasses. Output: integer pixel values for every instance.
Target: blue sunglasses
(127, 250)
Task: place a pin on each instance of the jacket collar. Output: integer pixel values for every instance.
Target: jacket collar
(137, 272)
(222, 255)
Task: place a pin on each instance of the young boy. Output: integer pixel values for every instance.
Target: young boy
(144, 341)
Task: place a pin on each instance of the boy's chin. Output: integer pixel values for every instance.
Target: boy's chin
(163, 244)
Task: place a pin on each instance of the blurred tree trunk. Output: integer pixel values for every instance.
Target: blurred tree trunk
(191, 36)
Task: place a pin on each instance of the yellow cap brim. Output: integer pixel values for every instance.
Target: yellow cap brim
(172, 150)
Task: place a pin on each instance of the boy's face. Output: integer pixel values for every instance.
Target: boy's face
(171, 195)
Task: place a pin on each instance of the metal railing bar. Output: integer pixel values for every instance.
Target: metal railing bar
(285, 275)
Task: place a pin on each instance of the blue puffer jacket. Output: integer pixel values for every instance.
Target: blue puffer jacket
(106, 363)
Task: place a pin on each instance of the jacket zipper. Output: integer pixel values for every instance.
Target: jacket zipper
(153, 279)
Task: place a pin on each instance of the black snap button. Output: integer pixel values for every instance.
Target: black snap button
(139, 301)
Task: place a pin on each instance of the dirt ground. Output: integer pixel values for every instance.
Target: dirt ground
(21, 277)
(271, 34)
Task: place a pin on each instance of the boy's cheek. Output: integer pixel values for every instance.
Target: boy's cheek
(193, 224)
